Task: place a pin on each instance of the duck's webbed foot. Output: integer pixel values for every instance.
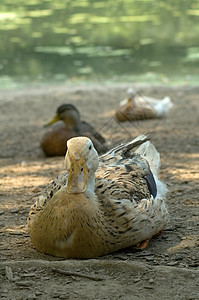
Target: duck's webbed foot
(142, 245)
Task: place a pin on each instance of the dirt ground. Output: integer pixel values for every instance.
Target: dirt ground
(169, 267)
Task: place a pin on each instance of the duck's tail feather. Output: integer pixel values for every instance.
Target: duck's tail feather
(149, 152)
(162, 107)
(123, 149)
(139, 140)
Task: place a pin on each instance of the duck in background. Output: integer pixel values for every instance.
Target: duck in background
(101, 204)
(53, 143)
(137, 107)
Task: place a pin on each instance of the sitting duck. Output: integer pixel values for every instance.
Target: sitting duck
(101, 204)
(53, 143)
(137, 107)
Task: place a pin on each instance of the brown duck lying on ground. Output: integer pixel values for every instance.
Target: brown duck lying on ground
(137, 107)
(53, 142)
(101, 204)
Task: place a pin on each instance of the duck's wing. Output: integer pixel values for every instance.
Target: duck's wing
(136, 170)
(129, 179)
(129, 193)
(129, 203)
(122, 150)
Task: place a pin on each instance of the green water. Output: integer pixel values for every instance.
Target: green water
(50, 41)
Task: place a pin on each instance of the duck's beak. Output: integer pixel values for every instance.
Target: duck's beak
(53, 120)
(78, 176)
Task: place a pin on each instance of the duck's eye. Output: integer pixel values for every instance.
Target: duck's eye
(90, 147)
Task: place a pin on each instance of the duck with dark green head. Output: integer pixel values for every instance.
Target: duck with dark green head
(53, 143)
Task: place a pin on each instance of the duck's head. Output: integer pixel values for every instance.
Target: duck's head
(67, 113)
(81, 162)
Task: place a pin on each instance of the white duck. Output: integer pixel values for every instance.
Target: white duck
(137, 107)
(101, 204)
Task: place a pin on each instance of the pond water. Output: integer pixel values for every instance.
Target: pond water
(51, 41)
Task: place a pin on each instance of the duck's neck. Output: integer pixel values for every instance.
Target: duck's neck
(91, 184)
(72, 123)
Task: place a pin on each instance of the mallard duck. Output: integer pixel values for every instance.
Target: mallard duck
(101, 204)
(137, 107)
(53, 142)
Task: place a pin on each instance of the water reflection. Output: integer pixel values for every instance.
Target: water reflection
(136, 40)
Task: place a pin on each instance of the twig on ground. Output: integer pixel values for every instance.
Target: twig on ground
(69, 273)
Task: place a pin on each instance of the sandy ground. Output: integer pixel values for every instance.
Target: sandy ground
(168, 268)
